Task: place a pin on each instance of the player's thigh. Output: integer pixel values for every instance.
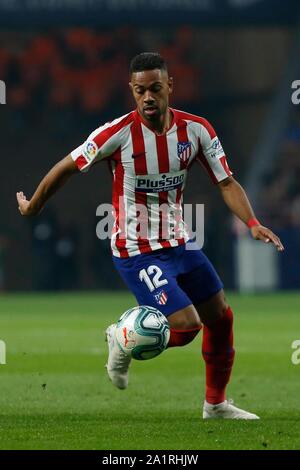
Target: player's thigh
(152, 280)
(198, 277)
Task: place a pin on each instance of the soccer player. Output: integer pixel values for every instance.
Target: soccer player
(150, 151)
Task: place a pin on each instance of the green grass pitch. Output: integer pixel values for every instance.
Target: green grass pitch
(55, 393)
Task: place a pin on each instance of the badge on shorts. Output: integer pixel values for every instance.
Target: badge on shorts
(161, 298)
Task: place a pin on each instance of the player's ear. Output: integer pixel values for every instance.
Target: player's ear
(170, 84)
(130, 86)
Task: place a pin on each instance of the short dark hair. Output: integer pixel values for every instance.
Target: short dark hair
(147, 61)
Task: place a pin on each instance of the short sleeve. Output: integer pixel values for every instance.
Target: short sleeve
(211, 153)
(101, 143)
(85, 155)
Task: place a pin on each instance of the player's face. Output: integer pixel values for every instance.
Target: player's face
(151, 89)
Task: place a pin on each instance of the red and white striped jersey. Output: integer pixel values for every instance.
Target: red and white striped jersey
(149, 174)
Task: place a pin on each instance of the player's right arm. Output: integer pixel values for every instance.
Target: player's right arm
(101, 143)
(55, 179)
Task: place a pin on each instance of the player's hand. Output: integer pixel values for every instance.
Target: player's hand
(24, 205)
(259, 232)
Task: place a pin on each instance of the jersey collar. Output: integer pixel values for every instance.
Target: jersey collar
(139, 118)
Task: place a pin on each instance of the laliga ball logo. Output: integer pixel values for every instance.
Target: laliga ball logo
(142, 332)
(91, 150)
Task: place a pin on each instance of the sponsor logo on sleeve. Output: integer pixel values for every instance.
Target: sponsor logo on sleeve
(90, 150)
(215, 150)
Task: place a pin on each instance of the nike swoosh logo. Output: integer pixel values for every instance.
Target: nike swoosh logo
(135, 155)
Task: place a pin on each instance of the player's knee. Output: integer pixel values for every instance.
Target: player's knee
(186, 319)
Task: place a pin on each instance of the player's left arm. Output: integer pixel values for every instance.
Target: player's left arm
(213, 158)
(236, 199)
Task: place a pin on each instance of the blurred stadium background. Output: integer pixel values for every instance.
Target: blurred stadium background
(65, 65)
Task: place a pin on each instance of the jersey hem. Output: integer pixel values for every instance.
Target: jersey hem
(148, 249)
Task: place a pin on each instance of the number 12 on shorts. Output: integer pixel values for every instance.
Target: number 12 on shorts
(155, 280)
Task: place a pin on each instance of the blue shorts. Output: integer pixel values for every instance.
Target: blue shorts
(169, 279)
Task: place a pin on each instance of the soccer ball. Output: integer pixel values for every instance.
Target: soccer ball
(143, 332)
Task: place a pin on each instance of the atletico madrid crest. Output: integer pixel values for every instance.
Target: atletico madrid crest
(184, 151)
(161, 298)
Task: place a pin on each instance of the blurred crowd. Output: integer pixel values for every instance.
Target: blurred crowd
(86, 70)
(280, 203)
(56, 258)
(280, 197)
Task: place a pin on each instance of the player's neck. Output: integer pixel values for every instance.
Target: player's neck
(162, 125)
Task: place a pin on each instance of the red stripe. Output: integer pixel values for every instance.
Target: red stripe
(225, 165)
(164, 167)
(140, 167)
(118, 203)
(81, 162)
